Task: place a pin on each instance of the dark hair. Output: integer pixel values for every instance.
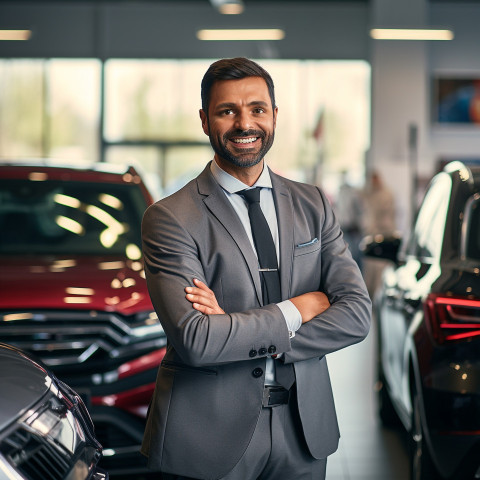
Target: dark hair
(233, 69)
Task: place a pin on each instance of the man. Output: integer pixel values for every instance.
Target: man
(348, 209)
(224, 406)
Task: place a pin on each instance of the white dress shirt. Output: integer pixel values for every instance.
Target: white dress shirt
(231, 186)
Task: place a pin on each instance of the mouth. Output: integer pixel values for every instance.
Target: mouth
(244, 140)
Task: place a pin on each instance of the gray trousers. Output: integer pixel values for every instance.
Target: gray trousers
(277, 450)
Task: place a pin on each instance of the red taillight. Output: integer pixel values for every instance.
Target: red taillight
(452, 318)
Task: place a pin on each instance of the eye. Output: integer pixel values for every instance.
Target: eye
(258, 110)
(227, 111)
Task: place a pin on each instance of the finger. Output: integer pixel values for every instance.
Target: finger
(202, 308)
(201, 297)
(200, 300)
(201, 285)
(199, 292)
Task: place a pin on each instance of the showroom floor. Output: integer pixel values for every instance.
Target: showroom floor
(367, 451)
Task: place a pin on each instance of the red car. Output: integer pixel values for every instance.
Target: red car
(73, 292)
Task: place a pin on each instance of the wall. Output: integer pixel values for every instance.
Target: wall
(456, 58)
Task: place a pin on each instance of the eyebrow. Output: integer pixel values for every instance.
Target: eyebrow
(260, 103)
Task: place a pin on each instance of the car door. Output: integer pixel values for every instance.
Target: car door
(406, 285)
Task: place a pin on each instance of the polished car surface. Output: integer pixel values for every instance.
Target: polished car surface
(45, 429)
(428, 314)
(74, 291)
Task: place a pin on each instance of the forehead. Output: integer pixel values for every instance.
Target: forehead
(243, 90)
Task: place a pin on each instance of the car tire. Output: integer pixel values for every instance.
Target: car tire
(421, 463)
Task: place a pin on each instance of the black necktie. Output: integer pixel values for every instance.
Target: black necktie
(269, 275)
(266, 252)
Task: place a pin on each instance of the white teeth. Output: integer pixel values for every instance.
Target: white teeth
(244, 140)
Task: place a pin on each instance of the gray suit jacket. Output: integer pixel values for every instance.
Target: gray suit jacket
(209, 389)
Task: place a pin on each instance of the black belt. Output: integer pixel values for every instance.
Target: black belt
(273, 396)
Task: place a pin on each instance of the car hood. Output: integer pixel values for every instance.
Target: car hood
(112, 284)
(23, 384)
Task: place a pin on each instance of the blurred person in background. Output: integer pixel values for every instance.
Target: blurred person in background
(348, 208)
(378, 219)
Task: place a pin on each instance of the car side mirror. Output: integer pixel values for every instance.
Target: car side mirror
(380, 247)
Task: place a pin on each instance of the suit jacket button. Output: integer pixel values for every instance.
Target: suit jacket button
(272, 349)
(257, 372)
(262, 351)
(253, 353)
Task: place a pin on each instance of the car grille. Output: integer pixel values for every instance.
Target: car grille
(34, 457)
(69, 339)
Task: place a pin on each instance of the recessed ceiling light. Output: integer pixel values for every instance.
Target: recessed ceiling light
(241, 34)
(411, 34)
(15, 34)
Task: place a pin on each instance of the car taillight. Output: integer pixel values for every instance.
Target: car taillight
(452, 318)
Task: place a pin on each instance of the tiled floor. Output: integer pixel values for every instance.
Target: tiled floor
(367, 451)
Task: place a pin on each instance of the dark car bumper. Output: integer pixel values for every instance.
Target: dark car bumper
(451, 395)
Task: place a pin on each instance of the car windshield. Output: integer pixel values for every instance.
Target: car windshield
(67, 217)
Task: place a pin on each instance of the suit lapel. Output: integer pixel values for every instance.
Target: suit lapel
(218, 204)
(285, 218)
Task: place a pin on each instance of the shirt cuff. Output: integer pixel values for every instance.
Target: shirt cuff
(293, 317)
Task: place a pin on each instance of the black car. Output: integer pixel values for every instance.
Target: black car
(428, 318)
(45, 429)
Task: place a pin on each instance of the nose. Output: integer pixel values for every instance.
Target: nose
(243, 121)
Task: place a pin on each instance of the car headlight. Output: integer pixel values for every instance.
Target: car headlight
(48, 438)
(56, 421)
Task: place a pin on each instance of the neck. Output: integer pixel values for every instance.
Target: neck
(247, 175)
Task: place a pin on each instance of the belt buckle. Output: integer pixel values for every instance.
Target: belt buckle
(266, 397)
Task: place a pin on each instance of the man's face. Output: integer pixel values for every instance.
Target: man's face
(240, 122)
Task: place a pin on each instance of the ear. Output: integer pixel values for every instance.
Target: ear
(275, 112)
(204, 119)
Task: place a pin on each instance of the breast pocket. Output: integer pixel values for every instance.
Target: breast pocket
(306, 266)
(307, 247)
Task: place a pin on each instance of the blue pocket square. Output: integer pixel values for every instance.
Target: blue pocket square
(311, 242)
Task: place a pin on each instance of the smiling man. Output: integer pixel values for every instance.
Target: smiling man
(254, 286)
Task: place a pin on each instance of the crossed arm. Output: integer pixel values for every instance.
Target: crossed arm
(203, 299)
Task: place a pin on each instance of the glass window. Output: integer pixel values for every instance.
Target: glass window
(50, 108)
(183, 164)
(74, 109)
(153, 99)
(22, 111)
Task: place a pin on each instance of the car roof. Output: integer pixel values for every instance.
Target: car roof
(100, 172)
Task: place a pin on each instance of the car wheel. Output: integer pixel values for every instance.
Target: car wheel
(421, 463)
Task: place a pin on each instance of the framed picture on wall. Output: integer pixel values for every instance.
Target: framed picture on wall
(456, 100)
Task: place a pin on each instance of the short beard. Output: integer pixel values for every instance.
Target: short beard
(244, 161)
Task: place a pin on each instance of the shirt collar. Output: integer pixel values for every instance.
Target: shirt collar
(232, 184)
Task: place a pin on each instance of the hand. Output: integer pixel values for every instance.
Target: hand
(311, 304)
(202, 298)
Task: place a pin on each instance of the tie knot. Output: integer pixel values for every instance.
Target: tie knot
(252, 195)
